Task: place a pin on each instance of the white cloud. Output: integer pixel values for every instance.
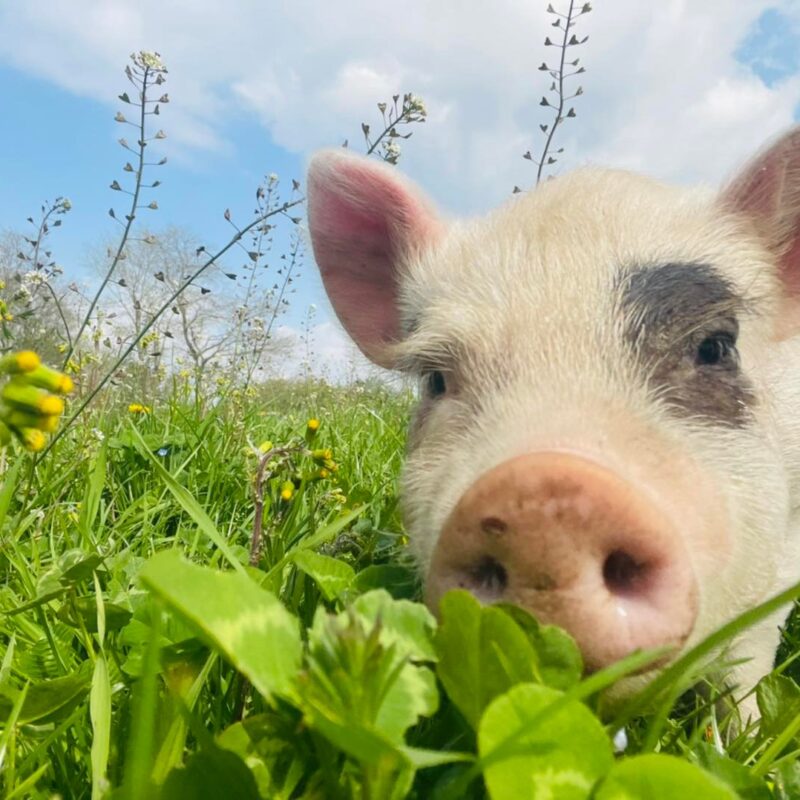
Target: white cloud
(664, 92)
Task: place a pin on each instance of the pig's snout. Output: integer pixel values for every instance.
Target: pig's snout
(575, 544)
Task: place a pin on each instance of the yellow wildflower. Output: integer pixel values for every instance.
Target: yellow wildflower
(312, 426)
(287, 491)
(33, 439)
(138, 408)
(19, 394)
(15, 363)
(50, 379)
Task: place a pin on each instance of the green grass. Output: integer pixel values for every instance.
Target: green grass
(126, 675)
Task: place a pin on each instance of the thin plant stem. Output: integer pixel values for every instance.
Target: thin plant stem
(560, 109)
(145, 329)
(129, 218)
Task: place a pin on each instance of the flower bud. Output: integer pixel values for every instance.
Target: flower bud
(312, 426)
(33, 439)
(24, 419)
(50, 379)
(22, 396)
(16, 363)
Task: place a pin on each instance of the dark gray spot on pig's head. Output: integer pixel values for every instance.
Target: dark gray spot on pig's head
(682, 322)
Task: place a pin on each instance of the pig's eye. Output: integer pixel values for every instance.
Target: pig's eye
(436, 383)
(717, 350)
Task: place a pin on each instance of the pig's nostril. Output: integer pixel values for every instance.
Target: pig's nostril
(494, 526)
(488, 579)
(623, 574)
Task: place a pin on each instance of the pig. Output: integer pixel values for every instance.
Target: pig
(608, 431)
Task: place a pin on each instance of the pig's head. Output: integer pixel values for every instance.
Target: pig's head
(607, 433)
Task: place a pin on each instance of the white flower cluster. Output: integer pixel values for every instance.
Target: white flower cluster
(150, 59)
(391, 149)
(34, 278)
(415, 105)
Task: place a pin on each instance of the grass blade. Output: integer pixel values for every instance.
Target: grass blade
(189, 504)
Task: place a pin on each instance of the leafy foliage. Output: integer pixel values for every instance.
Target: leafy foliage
(147, 653)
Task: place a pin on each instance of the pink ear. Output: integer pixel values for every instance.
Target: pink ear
(768, 191)
(365, 221)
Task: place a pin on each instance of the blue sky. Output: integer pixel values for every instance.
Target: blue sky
(68, 146)
(255, 88)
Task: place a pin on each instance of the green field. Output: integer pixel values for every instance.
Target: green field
(127, 671)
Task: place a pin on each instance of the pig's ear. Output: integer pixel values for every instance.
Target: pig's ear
(768, 191)
(365, 221)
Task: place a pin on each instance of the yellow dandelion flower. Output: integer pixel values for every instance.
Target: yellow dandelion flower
(287, 491)
(312, 426)
(51, 406)
(138, 408)
(19, 394)
(27, 361)
(50, 379)
(25, 419)
(16, 363)
(33, 439)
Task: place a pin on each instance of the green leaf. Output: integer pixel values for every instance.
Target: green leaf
(274, 749)
(100, 714)
(407, 626)
(7, 490)
(211, 774)
(562, 758)
(324, 534)
(187, 686)
(388, 771)
(788, 778)
(83, 612)
(558, 655)
(94, 491)
(411, 696)
(248, 624)
(77, 565)
(144, 713)
(360, 668)
(734, 774)
(48, 700)
(661, 776)
(331, 575)
(778, 698)
(401, 582)
(482, 653)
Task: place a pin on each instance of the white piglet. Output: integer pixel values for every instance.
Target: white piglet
(609, 428)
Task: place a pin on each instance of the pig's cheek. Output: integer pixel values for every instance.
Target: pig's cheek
(736, 534)
(435, 474)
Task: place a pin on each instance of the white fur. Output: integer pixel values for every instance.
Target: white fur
(519, 309)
